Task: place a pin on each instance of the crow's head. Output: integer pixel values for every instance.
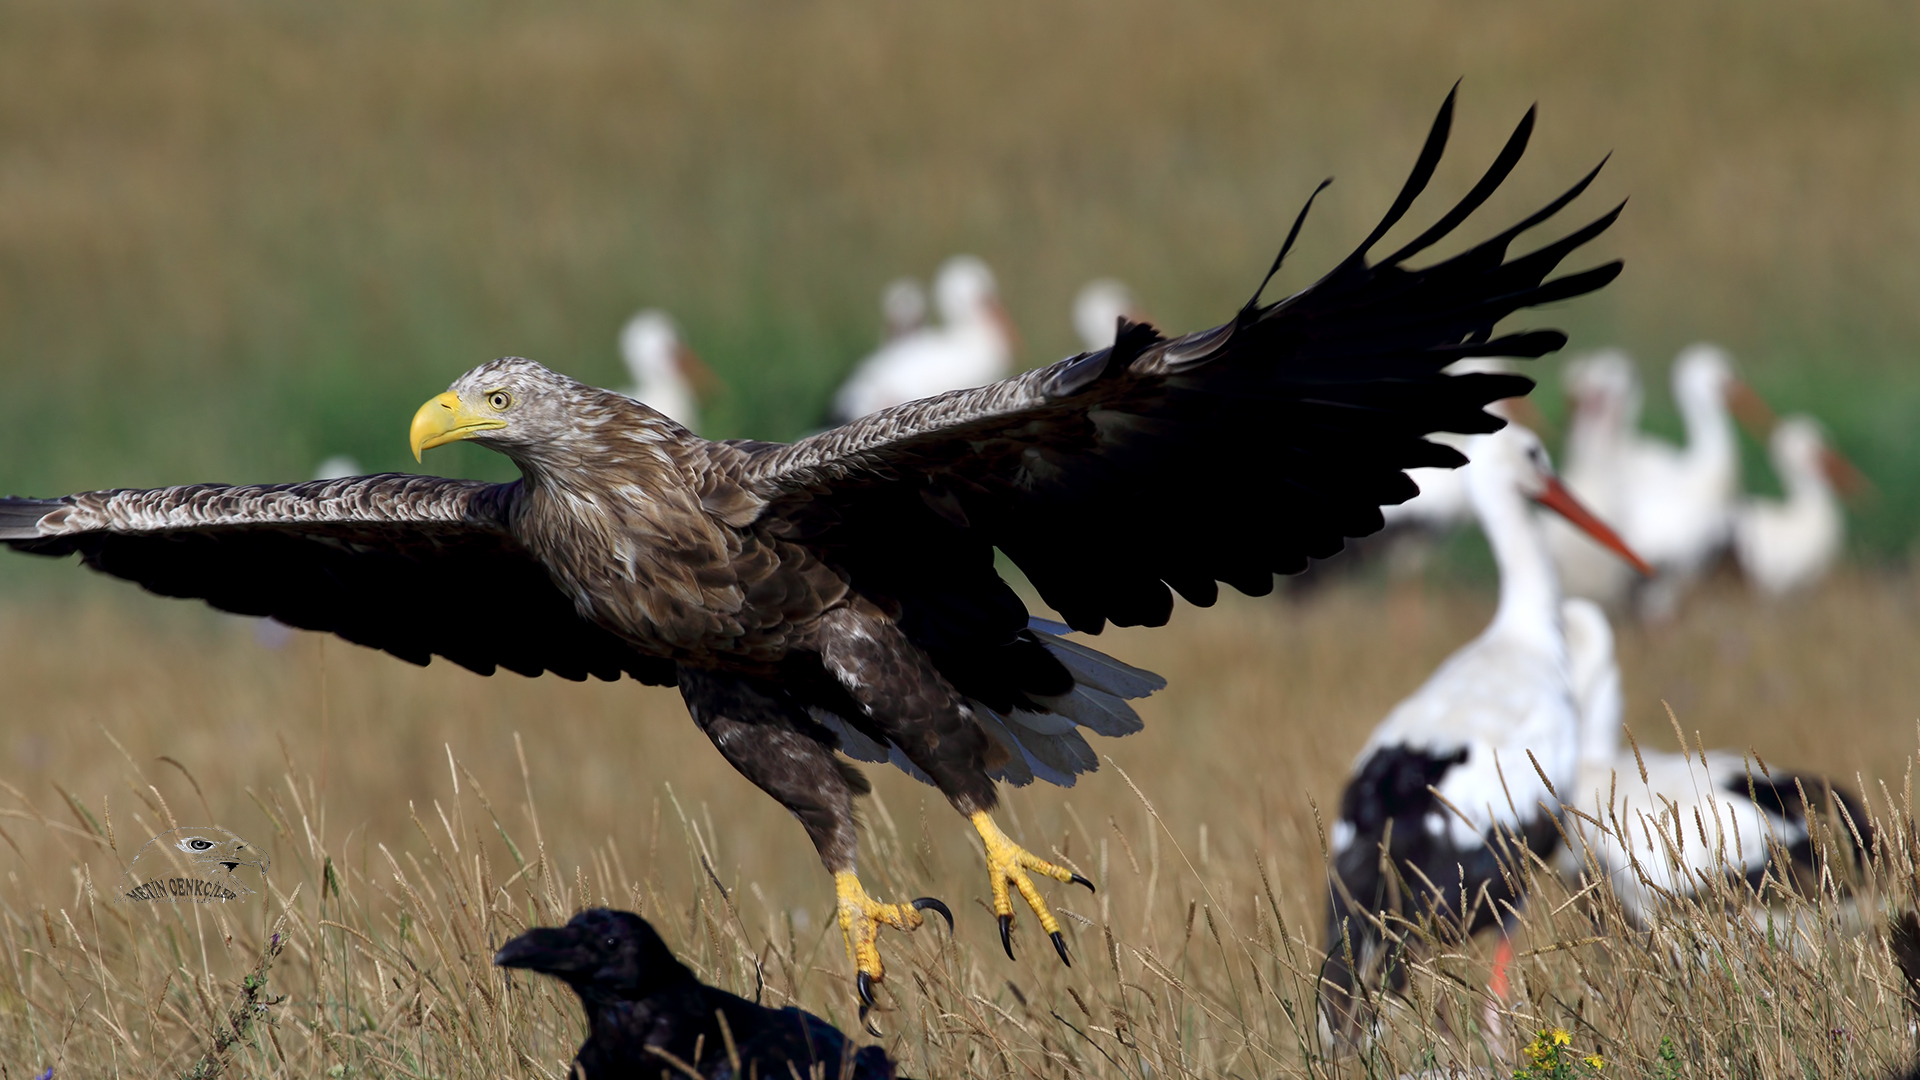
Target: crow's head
(604, 955)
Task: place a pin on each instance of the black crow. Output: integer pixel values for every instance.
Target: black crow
(647, 1016)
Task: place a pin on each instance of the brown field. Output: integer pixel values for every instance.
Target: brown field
(408, 782)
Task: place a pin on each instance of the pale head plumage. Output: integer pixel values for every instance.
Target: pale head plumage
(546, 422)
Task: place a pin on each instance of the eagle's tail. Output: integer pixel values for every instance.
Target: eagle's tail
(1047, 744)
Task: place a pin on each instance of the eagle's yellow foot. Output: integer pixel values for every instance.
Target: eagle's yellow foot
(1007, 864)
(860, 919)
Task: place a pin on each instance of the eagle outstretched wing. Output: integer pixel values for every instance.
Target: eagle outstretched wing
(1113, 479)
(1116, 478)
(381, 561)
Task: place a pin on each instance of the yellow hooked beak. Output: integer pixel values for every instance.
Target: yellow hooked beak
(447, 419)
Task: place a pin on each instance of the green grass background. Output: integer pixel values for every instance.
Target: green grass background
(236, 237)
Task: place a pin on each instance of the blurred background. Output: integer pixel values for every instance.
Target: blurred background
(236, 239)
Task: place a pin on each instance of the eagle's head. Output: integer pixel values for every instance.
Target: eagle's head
(524, 411)
(605, 955)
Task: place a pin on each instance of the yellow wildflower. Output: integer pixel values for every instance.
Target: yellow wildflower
(1561, 1037)
(1594, 1061)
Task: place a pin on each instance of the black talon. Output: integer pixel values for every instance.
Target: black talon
(1060, 946)
(863, 984)
(1006, 934)
(1078, 880)
(927, 903)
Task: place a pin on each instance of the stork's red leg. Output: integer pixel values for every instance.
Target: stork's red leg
(1502, 958)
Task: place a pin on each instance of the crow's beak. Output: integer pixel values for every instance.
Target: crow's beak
(549, 950)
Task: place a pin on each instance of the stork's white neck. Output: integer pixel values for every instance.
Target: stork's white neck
(1711, 444)
(1529, 588)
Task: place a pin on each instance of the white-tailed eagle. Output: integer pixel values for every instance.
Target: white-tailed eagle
(839, 593)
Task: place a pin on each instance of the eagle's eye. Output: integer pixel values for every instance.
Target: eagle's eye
(500, 400)
(199, 845)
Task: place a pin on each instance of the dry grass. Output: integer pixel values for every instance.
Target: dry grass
(419, 818)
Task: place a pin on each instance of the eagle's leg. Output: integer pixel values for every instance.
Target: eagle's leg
(1007, 865)
(765, 735)
(861, 917)
(930, 722)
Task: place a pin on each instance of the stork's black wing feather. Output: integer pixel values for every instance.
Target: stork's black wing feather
(1116, 478)
(416, 566)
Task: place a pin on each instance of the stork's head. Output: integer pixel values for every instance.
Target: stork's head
(1701, 372)
(1604, 388)
(968, 296)
(649, 343)
(965, 290)
(605, 955)
(656, 356)
(1514, 460)
(518, 408)
(1097, 310)
(1705, 385)
(1802, 455)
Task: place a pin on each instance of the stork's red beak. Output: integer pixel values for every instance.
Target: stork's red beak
(1751, 409)
(1558, 499)
(706, 384)
(1847, 478)
(998, 313)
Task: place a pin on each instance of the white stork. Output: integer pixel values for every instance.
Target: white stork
(1789, 544)
(1603, 391)
(1655, 825)
(1679, 515)
(1444, 790)
(972, 346)
(667, 376)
